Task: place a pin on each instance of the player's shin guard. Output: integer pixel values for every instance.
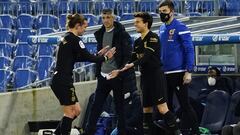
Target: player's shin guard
(66, 125)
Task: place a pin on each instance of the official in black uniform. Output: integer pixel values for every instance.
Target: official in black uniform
(147, 55)
(70, 50)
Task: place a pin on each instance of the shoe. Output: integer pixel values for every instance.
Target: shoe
(163, 125)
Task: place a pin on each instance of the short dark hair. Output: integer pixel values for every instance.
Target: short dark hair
(107, 11)
(146, 17)
(218, 72)
(168, 3)
(73, 19)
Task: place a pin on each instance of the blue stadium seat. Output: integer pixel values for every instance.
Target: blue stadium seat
(46, 21)
(215, 111)
(6, 49)
(6, 35)
(45, 49)
(126, 6)
(5, 62)
(23, 33)
(6, 7)
(148, 5)
(84, 6)
(231, 118)
(45, 7)
(23, 77)
(4, 78)
(43, 67)
(127, 16)
(91, 47)
(24, 49)
(7, 21)
(92, 19)
(42, 31)
(198, 83)
(154, 15)
(100, 5)
(25, 21)
(237, 84)
(64, 6)
(62, 22)
(25, 6)
(23, 62)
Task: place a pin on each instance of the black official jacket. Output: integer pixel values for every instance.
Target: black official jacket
(123, 43)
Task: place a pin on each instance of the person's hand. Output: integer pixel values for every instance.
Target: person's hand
(113, 74)
(187, 78)
(103, 51)
(110, 53)
(127, 66)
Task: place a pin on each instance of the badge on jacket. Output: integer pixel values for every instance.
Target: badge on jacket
(81, 44)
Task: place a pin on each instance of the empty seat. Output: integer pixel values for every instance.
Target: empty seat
(5, 62)
(45, 7)
(237, 84)
(127, 6)
(24, 77)
(100, 5)
(62, 22)
(7, 21)
(64, 7)
(23, 33)
(25, 6)
(231, 118)
(4, 78)
(24, 49)
(42, 31)
(84, 6)
(6, 35)
(45, 49)
(46, 21)
(6, 7)
(92, 19)
(23, 62)
(127, 16)
(148, 5)
(43, 67)
(215, 111)
(6, 49)
(25, 21)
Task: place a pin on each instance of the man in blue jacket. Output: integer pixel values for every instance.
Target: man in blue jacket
(178, 59)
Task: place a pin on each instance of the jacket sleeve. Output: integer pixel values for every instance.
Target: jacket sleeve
(149, 49)
(186, 39)
(126, 48)
(83, 55)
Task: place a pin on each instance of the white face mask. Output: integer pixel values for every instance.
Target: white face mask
(211, 81)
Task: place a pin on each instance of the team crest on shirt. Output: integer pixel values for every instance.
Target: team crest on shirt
(153, 40)
(171, 33)
(81, 44)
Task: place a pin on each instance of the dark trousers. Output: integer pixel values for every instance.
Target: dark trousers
(175, 85)
(103, 89)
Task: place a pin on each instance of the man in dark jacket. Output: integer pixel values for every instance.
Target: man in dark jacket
(112, 34)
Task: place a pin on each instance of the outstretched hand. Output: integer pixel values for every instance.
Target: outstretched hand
(115, 73)
(110, 53)
(103, 51)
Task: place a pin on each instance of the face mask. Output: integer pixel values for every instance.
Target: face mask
(164, 17)
(211, 81)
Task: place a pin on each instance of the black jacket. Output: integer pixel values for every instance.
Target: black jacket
(123, 43)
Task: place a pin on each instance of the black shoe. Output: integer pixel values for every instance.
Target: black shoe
(163, 125)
